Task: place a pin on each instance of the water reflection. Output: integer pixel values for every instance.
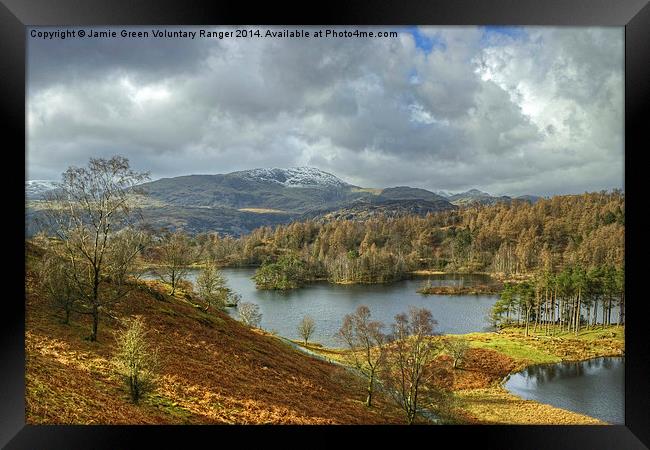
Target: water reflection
(594, 387)
(328, 303)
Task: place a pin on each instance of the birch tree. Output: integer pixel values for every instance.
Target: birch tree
(367, 344)
(93, 214)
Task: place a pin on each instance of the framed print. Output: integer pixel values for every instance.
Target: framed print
(376, 218)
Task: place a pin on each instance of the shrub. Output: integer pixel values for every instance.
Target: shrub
(136, 361)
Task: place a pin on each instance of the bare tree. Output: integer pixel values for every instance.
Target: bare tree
(410, 352)
(367, 345)
(249, 314)
(457, 349)
(55, 282)
(135, 360)
(306, 328)
(93, 213)
(212, 287)
(175, 256)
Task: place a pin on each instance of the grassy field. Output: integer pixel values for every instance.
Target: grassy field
(478, 394)
(539, 348)
(488, 402)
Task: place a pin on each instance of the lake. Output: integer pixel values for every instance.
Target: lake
(328, 303)
(594, 387)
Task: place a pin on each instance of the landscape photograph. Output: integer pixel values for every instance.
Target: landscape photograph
(264, 225)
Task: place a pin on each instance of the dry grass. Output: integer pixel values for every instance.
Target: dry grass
(214, 370)
(480, 397)
(480, 289)
(589, 343)
(497, 406)
(428, 272)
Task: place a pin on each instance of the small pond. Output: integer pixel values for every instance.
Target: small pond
(594, 387)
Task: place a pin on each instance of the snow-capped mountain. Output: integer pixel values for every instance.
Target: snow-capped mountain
(294, 177)
(36, 189)
(236, 203)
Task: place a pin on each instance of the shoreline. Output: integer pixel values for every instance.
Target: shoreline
(514, 335)
(501, 277)
(474, 407)
(506, 391)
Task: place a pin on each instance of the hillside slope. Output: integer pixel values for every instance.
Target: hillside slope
(214, 371)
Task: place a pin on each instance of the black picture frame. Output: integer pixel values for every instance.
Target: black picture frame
(16, 15)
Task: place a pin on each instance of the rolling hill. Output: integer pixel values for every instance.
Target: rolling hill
(214, 370)
(474, 196)
(236, 203)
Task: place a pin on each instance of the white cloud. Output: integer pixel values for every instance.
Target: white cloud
(539, 111)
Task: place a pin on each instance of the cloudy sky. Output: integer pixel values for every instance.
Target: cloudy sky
(506, 110)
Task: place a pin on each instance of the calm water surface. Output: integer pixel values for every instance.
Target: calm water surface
(328, 303)
(594, 387)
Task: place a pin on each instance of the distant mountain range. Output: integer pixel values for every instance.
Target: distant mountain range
(238, 202)
(474, 196)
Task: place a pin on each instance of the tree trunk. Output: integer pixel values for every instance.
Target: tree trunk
(93, 335)
(621, 313)
(609, 311)
(527, 318)
(539, 313)
(173, 284)
(547, 311)
(369, 389)
(553, 302)
(578, 311)
(95, 311)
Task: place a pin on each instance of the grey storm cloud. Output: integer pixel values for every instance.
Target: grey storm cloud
(527, 110)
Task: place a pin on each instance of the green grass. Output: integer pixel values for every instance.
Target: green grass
(515, 349)
(540, 348)
(595, 334)
(168, 406)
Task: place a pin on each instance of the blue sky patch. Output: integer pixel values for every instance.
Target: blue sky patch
(426, 43)
(496, 31)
